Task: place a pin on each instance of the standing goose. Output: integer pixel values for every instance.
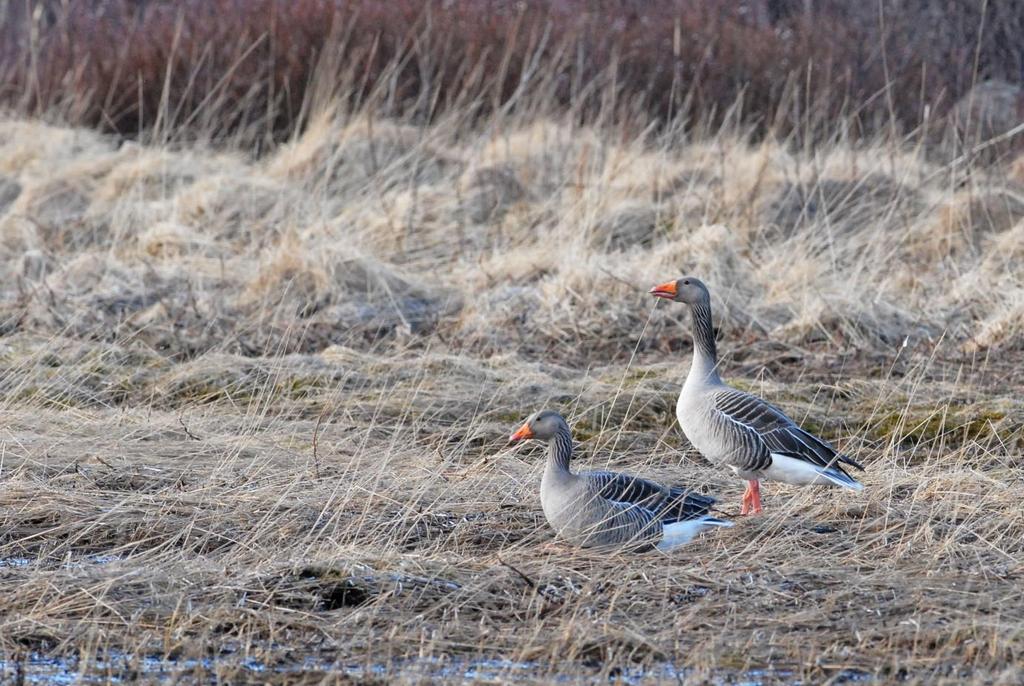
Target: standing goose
(606, 508)
(738, 429)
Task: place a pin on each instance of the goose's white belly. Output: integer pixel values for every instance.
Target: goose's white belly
(790, 470)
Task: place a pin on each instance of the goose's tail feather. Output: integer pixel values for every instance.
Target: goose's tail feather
(679, 533)
(841, 479)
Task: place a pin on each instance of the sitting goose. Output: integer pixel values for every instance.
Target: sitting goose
(606, 508)
(738, 429)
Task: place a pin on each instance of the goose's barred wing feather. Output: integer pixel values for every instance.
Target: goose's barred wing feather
(668, 504)
(776, 432)
(630, 522)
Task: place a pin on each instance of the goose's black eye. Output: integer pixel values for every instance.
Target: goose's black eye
(686, 283)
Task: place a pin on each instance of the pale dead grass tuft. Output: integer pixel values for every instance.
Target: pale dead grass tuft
(781, 235)
(345, 158)
(973, 215)
(169, 240)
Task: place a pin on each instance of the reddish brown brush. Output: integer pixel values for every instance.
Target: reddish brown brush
(231, 66)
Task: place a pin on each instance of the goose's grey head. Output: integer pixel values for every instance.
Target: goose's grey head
(687, 290)
(542, 425)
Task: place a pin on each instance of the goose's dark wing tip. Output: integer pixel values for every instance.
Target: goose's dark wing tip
(701, 500)
(846, 459)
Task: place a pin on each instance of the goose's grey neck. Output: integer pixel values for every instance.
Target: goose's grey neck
(705, 356)
(560, 451)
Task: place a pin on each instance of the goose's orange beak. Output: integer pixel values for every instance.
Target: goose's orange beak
(665, 290)
(521, 434)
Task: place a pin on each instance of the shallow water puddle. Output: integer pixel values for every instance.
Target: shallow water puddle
(15, 561)
(69, 563)
(118, 667)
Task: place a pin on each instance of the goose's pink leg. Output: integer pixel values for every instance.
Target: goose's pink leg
(755, 495)
(751, 498)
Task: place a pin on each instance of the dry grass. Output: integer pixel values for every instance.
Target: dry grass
(202, 525)
(255, 410)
